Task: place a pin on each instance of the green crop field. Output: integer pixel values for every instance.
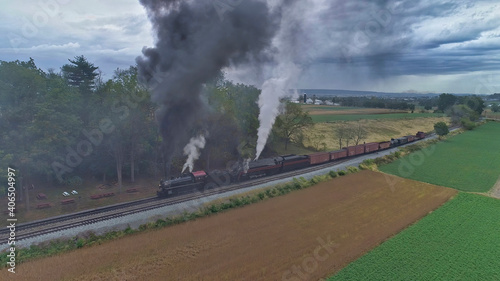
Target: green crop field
(355, 117)
(328, 108)
(458, 241)
(468, 162)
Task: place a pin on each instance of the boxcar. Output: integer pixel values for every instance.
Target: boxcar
(384, 145)
(338, 154)
(371, 147)
(420, 135)
(319, 158)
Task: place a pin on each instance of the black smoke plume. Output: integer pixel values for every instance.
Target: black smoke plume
(194, 41)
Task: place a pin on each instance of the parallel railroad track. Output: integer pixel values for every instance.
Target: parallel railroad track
(36, 228)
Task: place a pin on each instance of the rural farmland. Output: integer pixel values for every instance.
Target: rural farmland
(250, 140)
(459, 241)
(265, 241)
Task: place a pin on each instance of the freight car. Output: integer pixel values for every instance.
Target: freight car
(199, 181)
(338, 154)
(384, 145)
(319, 158)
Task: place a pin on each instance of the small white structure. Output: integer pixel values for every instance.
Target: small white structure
(74, 192)
(65, 194)
(329, 102)
(309, 101)
(318, 102)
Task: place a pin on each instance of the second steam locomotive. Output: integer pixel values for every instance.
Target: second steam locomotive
(201, 180)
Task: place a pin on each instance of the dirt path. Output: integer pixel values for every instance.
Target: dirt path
(495, 191)
(305, 235)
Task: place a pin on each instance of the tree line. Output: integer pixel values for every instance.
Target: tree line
(68, 126)
(463, 110)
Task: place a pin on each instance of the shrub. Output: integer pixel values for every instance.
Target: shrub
(80, 243)
(333, 174)
(368, 162)
(160, 223)
(314, 180)
(363, 167)
(127, 230)
(352, 170)
(268, 193)
(467, 124)
(235, 202)
(341, 173)
(296, 184)
(303, 182)
(262, 195)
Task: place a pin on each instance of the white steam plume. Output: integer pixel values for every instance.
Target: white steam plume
(192, 150)
(246, 164)
(273, 90)
(286, 71)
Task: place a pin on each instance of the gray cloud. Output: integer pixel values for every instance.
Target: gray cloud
(372, 41)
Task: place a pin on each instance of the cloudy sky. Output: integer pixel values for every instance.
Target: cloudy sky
(392, 46)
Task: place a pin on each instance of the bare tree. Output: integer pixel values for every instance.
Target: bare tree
(359, 133)
(340, 132)
(344, 133)
(350, 134)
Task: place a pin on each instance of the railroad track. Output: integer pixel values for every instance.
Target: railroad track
(36, 228)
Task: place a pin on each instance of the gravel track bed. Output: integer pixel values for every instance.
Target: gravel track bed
(136, 219)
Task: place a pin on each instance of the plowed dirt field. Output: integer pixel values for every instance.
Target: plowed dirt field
(305, 235)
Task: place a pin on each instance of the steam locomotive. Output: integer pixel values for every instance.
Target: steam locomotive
(200, 181)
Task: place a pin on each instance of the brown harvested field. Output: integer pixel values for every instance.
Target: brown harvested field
(279, 238)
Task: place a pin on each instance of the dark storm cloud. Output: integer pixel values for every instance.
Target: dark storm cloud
(390, 38)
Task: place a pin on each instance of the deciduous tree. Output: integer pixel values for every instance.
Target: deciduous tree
(291, 121)
(441, 129)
